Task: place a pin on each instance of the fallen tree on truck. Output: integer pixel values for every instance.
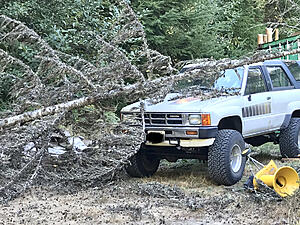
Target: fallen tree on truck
(63, 92)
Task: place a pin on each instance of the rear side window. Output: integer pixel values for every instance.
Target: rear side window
(278, 77)
(295, 69)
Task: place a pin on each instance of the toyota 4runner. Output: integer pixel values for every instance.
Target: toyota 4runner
(266, 108)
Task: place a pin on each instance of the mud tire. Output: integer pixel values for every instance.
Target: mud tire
(142, 165)
(220, 168)
(288, 139)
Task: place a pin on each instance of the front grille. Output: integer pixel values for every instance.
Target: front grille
(174, 116)
(158, 116)
(174, 121)
(163, 118)
(158, 121)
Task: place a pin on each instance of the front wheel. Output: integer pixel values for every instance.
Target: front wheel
(142, 165)
(226, 163)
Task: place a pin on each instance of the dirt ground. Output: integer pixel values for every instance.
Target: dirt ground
(179, 193)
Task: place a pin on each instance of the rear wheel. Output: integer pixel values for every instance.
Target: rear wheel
(289, 139)
(225, 160)
(142, 165)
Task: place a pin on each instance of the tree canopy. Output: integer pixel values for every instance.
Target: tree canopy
(180, 29)
(212, 28)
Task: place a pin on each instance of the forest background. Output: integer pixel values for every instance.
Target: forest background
(183, 30)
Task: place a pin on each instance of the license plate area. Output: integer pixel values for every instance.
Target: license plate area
(155, 136)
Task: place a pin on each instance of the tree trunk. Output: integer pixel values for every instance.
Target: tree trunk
(138, 89)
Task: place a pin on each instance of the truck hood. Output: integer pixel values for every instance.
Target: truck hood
(189, 104)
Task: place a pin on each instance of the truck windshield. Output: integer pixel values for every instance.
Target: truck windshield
(230, 79)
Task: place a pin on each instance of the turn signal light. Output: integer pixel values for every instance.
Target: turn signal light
(206, 119)
(191, 132)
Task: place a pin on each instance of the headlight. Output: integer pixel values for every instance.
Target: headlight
(125, 117)
(130, 117)
(202, 119)
(195, 119)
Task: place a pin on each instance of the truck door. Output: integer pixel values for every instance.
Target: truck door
(257, 106)
(283, 92)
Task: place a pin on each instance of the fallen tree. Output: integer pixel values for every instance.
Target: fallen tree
(142, 89)
(43, 95)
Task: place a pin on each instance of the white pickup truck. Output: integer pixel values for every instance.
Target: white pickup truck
(266, 108)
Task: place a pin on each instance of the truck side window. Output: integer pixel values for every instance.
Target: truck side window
(295, 69)
(255, 82)
(278, 77)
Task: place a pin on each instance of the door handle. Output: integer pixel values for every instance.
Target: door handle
(249, 98)
(268, 98)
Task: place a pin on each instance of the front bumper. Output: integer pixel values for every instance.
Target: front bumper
(189, 143)
(177, 136)
(180, 132)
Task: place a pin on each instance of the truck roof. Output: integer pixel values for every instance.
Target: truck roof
(273, 62)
